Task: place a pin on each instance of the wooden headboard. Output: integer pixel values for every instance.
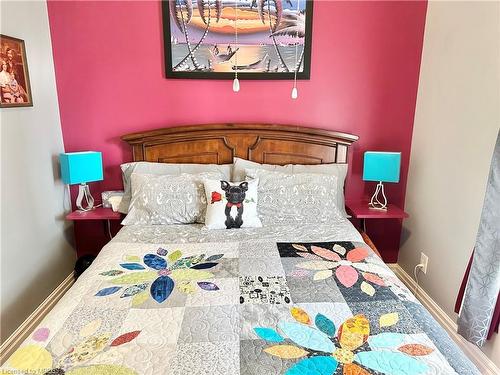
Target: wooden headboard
(219, 143)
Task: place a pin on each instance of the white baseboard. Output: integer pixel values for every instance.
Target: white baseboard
(482, 362)
(25, 329)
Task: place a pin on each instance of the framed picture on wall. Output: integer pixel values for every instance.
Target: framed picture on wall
(15, 90)
(257, 39)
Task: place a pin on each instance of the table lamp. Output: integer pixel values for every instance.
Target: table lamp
(381, 167)
(80, 168)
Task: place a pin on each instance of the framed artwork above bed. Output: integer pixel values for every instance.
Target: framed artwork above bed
(258, 39)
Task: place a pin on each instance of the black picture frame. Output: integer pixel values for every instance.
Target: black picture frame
(170, 73)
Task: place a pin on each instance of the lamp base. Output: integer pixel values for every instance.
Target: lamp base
(84, 193)
(376, 202)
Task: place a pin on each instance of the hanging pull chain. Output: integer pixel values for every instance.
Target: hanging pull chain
(236, 82)
(295, 92)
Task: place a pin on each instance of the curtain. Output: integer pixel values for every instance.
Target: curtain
(495, 322)
(480, 297)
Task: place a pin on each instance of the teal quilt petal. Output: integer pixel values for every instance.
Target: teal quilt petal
(108, 291)
(307, 337)
(132, 266)
(386, 340)
(325, 325)
(268, 334)
(393, 363)
(314, 366)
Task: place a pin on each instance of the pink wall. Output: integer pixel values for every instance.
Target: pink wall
(364, 77)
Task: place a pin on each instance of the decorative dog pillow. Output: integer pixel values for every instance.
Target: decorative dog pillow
(231, 205)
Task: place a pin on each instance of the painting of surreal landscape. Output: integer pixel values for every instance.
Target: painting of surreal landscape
(257, 39)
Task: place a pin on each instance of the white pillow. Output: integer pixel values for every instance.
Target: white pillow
(303, 198)
(338, 170)
(168, 199)
(170, 169)
(231, 204)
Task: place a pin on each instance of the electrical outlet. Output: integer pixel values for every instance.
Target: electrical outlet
(424, 259)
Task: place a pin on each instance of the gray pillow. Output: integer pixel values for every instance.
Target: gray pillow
(338, 170)
(168, 199)
(303, 198)
(171, 169)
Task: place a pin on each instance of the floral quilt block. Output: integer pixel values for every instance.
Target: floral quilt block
(262, 307)
(322, 347)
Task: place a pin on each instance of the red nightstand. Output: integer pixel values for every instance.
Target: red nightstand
(83, 221)
(361, 211)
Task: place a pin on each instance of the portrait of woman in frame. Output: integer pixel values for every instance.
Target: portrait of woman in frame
(15, 90)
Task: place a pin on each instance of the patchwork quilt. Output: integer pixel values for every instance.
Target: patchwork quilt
(252, 307)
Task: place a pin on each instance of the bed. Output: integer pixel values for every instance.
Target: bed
(309, 299)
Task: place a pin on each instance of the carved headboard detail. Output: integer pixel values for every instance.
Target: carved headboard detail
(219, 143)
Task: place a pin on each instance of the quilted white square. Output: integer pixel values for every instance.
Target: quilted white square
(153, 326)
(228, 293)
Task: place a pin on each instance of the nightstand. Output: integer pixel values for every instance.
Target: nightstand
(361, 211)
(88, 239)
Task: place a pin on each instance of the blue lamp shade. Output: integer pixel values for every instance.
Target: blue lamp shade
(381, 166)
(80, 167)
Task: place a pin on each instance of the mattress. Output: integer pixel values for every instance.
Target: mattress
(276, 300)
